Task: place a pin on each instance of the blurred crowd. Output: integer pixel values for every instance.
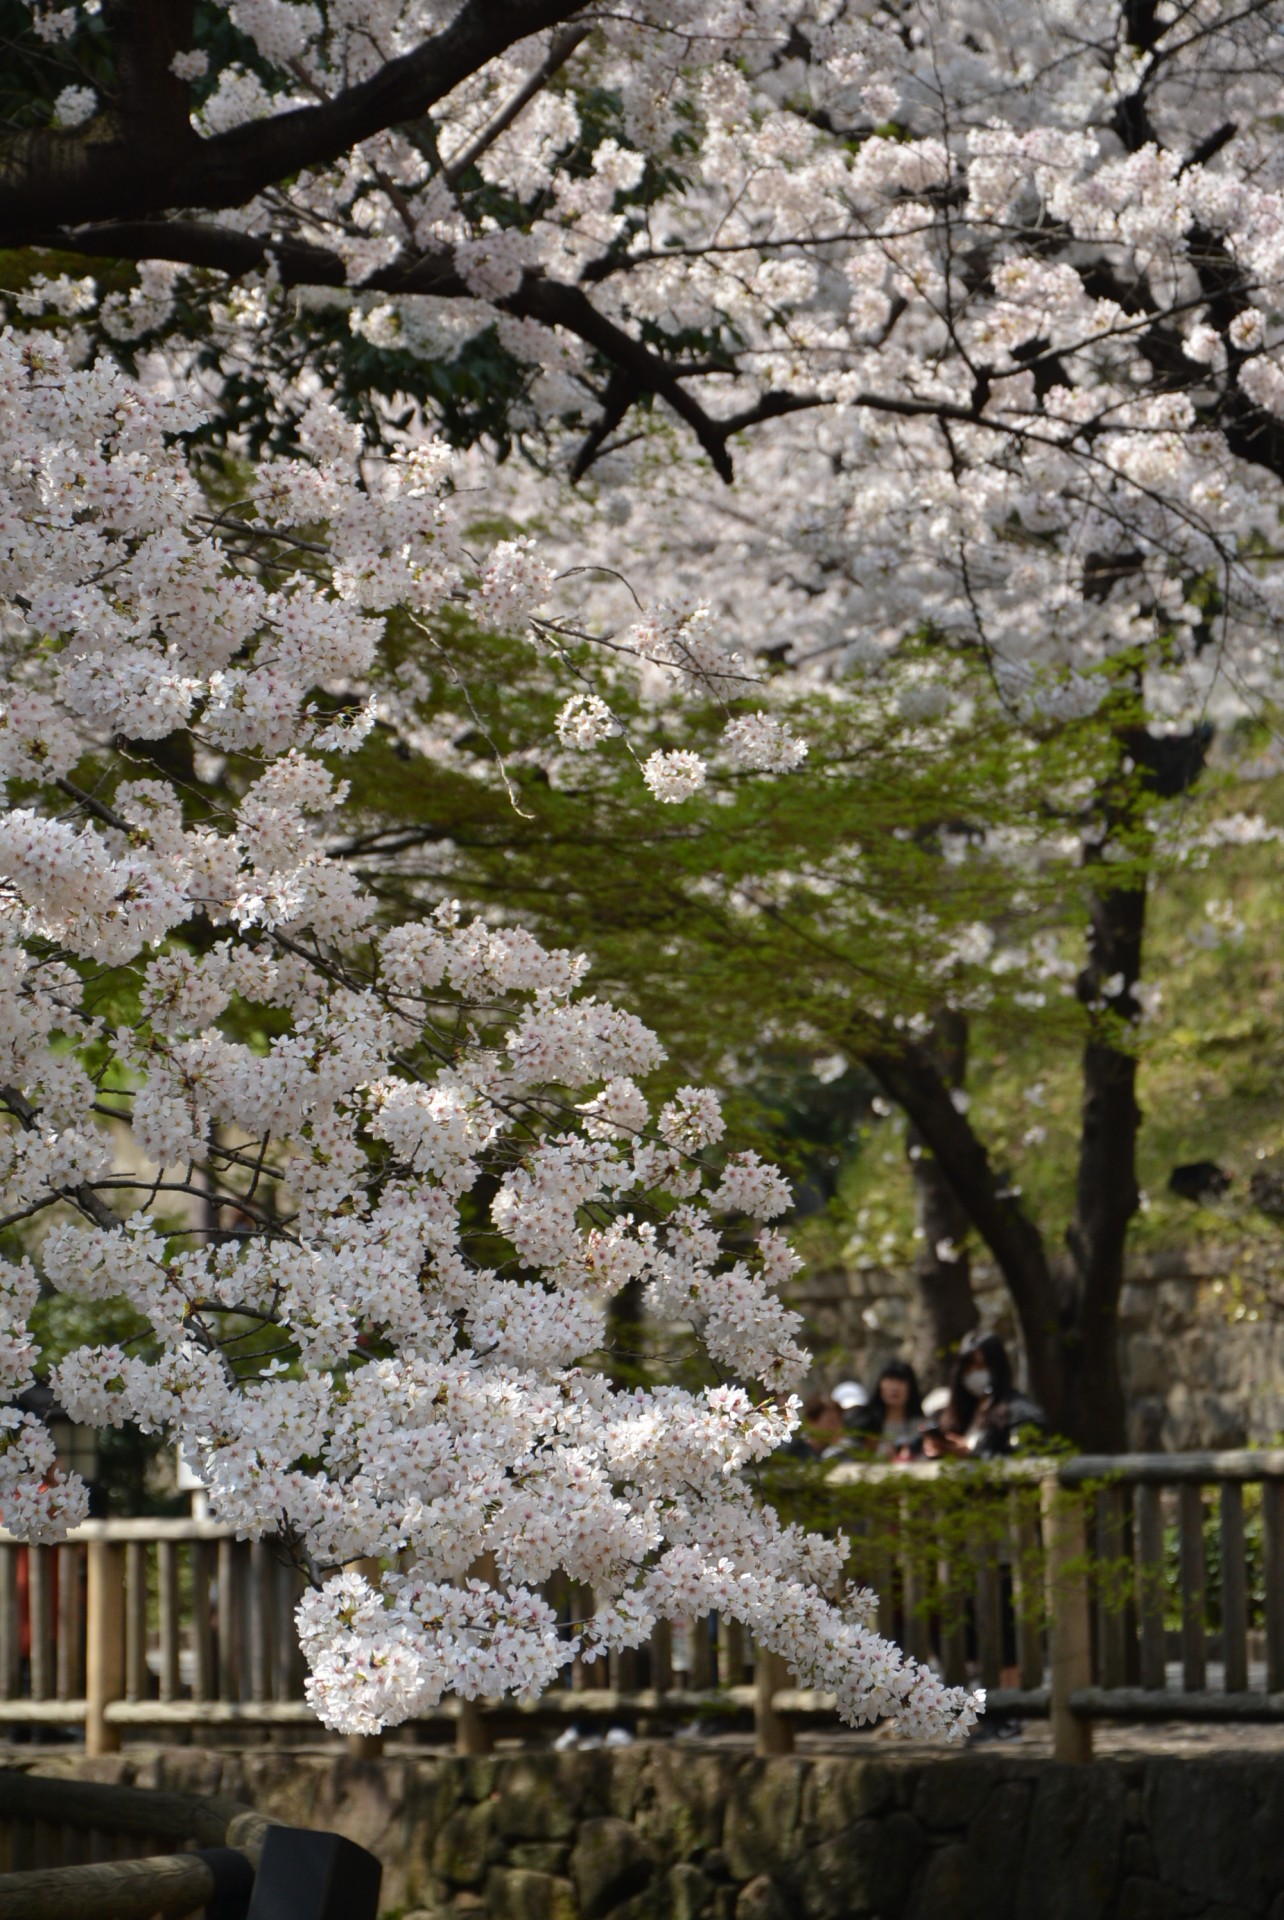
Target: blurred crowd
(980, 1415)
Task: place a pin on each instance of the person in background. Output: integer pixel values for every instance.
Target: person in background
(854, 1401)
(892, 1422)
(824, 1428)
(985, 1411)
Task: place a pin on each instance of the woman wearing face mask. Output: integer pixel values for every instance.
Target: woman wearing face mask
(985, 1410)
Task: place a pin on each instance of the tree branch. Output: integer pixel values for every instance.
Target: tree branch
(111, 170)
(556, 58)
(910, 1077)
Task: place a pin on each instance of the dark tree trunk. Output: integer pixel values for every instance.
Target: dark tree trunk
(944, 1269)
(622, 1338)
(1106, 1193)
(1069, 1321)
(912, 1078)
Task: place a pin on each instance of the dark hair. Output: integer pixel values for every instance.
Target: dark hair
(989, 1350)
(877, 1412)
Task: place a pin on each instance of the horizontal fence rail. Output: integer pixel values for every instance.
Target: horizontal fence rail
(1125, 1586)
(72, 1850)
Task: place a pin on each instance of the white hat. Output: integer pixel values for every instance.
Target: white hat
(849, 1395)
(936, 1401)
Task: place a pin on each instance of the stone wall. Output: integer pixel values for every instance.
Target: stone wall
(1194, 1375)
(660, 1832)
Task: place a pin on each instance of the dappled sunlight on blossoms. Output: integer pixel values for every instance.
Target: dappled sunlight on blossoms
(367, 1181)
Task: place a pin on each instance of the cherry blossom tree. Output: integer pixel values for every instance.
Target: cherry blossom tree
(1033, 418)
(982, 305)
(368, 1250)
(982, 308)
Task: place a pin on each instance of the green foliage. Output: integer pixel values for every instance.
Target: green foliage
(923, 1544)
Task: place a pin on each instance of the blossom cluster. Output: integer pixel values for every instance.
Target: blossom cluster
(393, 1173)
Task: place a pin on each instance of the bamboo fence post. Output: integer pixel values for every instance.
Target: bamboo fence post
(1234, 1589)
(70, 1623)
(10, 1650)
(167, 1604)
(136, 1620)
(1026, 1556)
(105, 1644)
(1150, 1586)
(203, 1648)
(1194, 1584)
(39, 1613)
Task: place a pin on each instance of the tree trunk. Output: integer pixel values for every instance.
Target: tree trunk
(912, 1078)
(1070, 1324)
(1106, 1195)
(944, 1269)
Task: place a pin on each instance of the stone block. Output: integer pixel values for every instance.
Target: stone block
(541, 1798)
(681, 1894)
(514, 1893)
(1148, 1365)
(1139, 1857)
(948, 1794)
(431, 1790)
(627, 1782)
(1074, 1844)
(461, 1850)
(1146, 1900)
(866, 1870)
(838, 1790)
(995, 1841)
(679, 1804)
(1209, 1847)
(609, 1863)
(946, 1885)
(760, 1828)
(542, 1856)
(478, 1776)
(762, 1899)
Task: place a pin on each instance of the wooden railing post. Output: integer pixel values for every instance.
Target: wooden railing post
(1273, 1553)
(1069, 1617)
(104, 1644)
(773, 1733)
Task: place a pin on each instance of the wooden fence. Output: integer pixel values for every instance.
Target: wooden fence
(1148, 1585)
(75, 1850)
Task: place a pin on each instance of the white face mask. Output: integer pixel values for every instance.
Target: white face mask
(978, 1382)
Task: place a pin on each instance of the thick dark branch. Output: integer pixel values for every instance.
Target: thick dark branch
(296, 263)
(616, 401)
(147, 97)
(299, 263)
(557, 305)
(117, 170)
(916, 1084)
(943, 1268)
